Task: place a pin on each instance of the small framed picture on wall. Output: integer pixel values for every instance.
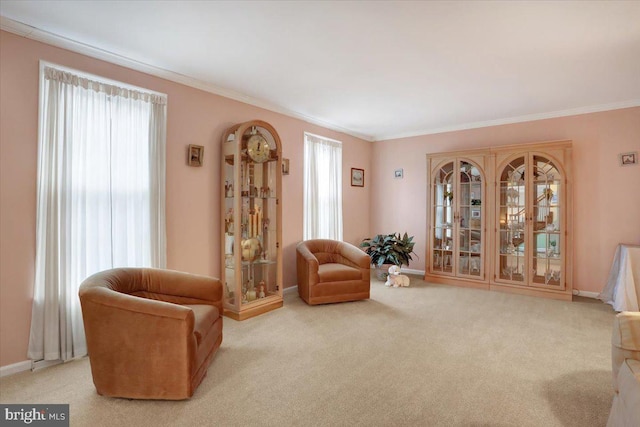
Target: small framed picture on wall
(196, 155)
(629, 159)
(357, 177)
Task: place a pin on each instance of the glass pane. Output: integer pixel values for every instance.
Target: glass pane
(512, 267)
(465, 216)
(439, 216)
(447, 250)
(463, 263)
(469, 204)
(464, 241)
(474, 265)
(547, 260)
(259, 236)
(437, 260)
(511, 211)
(443, 185)
(229, 224)
(546, 263)
(442, 188)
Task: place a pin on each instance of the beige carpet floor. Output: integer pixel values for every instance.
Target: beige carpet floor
(427, 355)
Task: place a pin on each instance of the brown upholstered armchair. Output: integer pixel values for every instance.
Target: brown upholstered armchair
(332, 271)
(150, 333)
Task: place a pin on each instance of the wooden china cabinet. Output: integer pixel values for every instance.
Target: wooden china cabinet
(251, 220)
(500, 219)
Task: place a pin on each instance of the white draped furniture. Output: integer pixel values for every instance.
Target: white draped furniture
(625, 355)
(623, 286)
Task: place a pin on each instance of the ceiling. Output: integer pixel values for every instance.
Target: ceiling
(374, 69)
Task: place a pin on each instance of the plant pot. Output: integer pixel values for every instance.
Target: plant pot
(382, 272)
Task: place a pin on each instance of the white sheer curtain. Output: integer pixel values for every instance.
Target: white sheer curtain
(322, 188)
(101, 197)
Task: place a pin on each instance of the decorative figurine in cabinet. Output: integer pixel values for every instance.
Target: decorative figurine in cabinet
(251, 219)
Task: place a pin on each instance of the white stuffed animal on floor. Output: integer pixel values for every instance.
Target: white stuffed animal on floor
(396, 279)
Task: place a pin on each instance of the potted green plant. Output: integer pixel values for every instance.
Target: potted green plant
(388, 249)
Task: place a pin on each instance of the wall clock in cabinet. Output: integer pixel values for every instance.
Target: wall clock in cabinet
(251, 220)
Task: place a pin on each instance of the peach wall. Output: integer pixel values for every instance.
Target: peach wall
(194, 117)
(606, 196)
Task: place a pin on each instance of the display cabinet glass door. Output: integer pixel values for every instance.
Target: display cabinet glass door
(529, 215)
(457, 224)
(512, 214)
(546, 224)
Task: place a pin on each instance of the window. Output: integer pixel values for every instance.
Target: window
(101, 186)
(322, 188)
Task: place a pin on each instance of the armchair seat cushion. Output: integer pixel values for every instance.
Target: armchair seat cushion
(334, 272)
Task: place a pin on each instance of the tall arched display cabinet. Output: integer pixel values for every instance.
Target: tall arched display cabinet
(251, 220)
(517, 236)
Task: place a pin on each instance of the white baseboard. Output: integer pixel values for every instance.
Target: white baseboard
(15, 368)
(290, 289)
(412, 271)
(40, 364)
(586, 294)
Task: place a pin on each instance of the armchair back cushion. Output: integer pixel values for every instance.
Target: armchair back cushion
(150, 333)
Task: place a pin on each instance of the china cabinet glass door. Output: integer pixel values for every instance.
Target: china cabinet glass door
(469, 220)
(546, 226)
(443, 218)
(457, 231)
(530, 226)
(513, 216)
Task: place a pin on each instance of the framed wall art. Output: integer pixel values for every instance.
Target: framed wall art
(357, 177)
(398, 173)
(195, 155)
(629, 159)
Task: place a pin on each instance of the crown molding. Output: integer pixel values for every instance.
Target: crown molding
(37, 34)
(43, 36)
(517, 119)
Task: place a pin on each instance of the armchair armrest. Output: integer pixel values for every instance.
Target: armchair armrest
(306, 255)
(355, 255)
(307, 266)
